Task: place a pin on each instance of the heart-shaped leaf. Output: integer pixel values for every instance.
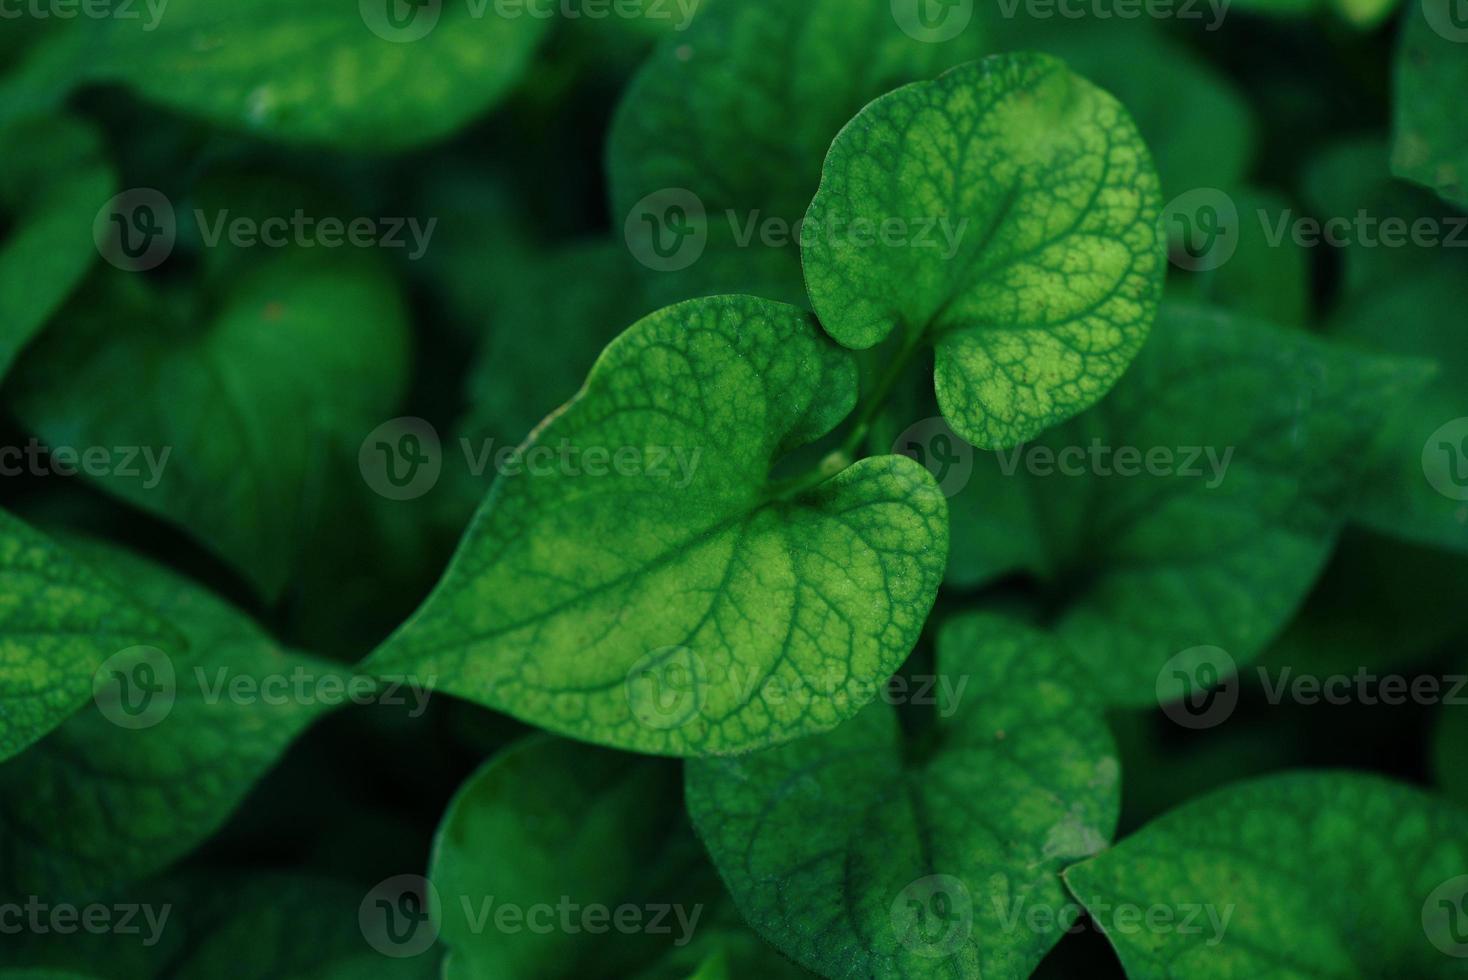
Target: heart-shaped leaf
(217, 415)
(1305, 874)
(637, 579)
(872, 852)
(1007, 213)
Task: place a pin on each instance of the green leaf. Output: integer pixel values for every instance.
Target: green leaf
(176, 768)
(837, 848)
(739, 110)
(1051, 198)
(546, 831)
(643, 543)
(1196, 505)
(54, 179)
(1430, 138)
(1418, 485)
(59, 620)
(377, 75)
(1306, 874)
(301, 352)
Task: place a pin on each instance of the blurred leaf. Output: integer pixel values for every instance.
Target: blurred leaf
(839, 847)
(1430, 144)
(243, 394)
(1264, 278)
(375, 76)
(177, 767)
(548, 830)
(54, 180)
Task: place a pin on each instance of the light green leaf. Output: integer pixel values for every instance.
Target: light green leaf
(1430, 127)
(739, 110)
(549, 828)
(1418, 485)
(59, 620)
(1196, 505)
(870, 852)
(53, 181)
(225, 403)
(1051, 201)
(1302, 875)
(643, 542)
(175, 768)
(376, 75)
